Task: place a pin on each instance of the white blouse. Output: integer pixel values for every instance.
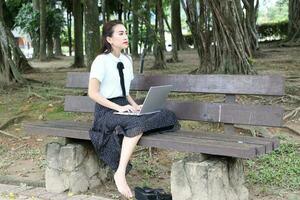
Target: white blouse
(104, 69)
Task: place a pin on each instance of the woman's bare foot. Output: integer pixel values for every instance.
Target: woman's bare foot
(122, 185)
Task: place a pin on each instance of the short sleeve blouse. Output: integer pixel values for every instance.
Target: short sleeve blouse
(104, 69)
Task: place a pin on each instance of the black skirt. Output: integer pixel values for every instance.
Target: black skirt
(109, 129)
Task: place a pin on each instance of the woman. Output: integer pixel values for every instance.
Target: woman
(115, 136)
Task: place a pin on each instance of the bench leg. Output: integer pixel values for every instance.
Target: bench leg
(214, 178)
(74, 167)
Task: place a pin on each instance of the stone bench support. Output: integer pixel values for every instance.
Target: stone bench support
(74, 167)
(212, 178)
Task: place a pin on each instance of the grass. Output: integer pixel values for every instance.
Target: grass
(280, 168)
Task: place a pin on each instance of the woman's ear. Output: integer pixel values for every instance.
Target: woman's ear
(109, 39)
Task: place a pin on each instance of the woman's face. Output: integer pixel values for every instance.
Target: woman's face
(119, 38)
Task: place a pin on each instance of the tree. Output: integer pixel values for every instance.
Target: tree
(232, 46)
(78, 34)
(159, 45)
(219, 36)
(42, 30)
(34, 36)
(174, 42)
(55, 23)
(251, 7)
(59, 24)
(149, 30)
(200, 26)
(28, 20)
(294, 21)
(176, 25)
(49, 31)
(12, 60)
(92, 33)
(135, 29)
(103, 9)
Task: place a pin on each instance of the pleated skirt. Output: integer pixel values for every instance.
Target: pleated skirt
(109, 129)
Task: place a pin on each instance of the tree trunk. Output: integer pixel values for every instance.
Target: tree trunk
(135, 29)
(174, 42)
(120, 11)
(50, 46)
(78, 34)
(161, 30)
(219, 35)
(149, 31)
(42, 30)
(176, 25)
(103, 5)
(12, 60)
(35, 37)
(57, 46)
(57, 42)
(294, 21)
(200, 28)
(231, 47)
(251, 19)
(69, 18)
(92, 32)
(159, 45)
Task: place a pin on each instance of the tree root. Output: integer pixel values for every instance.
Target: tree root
(8, 134)
(292, 114)
(11, 121)
(256, 131)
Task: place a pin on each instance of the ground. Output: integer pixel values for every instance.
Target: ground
(22, 156)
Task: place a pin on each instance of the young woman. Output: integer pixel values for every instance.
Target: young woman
(115, 136)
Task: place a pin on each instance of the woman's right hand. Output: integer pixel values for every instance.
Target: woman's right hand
(127, 108)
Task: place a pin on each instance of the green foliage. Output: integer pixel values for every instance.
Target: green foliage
(280, 168)
(148, 167)
(28, 20)
(279, 29)
(64, 37)
(11, 9)
(55, 21)
(273, 12)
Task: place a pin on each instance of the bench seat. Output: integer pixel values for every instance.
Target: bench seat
(238, 146)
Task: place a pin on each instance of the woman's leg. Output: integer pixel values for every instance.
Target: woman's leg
(128, 146)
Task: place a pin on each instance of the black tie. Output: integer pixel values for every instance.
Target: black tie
(120, 67)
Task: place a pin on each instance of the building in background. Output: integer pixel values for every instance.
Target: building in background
(24, 42)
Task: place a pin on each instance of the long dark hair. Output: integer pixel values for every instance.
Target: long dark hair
(107, 31)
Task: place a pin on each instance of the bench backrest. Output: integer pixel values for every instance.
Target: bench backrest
(228, 112)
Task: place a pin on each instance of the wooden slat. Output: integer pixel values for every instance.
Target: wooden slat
(210, 112)
(200, 146)
(69, 130)
(219, 84)
(216, 144)
(229, 128)
(269, 143)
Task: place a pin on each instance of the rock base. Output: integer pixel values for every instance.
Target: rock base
(212, 178)
(74, 167)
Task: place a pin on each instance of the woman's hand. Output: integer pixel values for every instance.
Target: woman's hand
(137, 107)
(127, 108)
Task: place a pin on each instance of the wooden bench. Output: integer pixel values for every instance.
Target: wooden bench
(229, 112)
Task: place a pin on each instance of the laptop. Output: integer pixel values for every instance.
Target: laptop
(155, 100)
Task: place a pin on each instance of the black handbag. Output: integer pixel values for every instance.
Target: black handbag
(146, 193)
